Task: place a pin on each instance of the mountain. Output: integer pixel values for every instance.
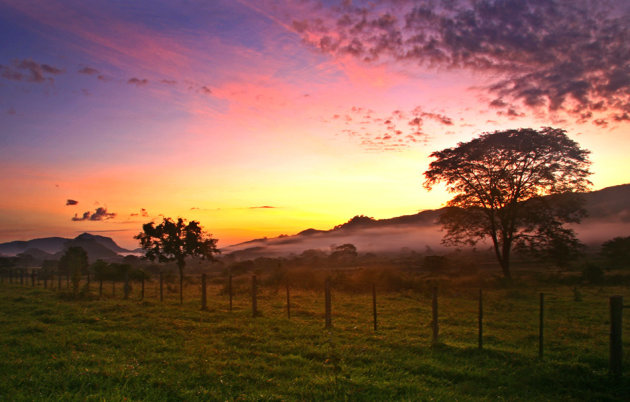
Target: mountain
(608, 216)
(37, 254)
(49, 245)
(53, 247)
(106, 242)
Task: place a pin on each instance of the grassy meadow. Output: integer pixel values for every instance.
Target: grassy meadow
(56, 347)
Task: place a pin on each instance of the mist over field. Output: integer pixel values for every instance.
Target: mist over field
(608, 217)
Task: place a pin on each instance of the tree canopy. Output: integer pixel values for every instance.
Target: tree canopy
(174, 241)
(517, 187)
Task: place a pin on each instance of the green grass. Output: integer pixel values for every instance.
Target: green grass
(56, 348)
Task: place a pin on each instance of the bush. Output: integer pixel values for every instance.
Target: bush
(592, 274)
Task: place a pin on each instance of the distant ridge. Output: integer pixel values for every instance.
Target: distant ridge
(53, 247)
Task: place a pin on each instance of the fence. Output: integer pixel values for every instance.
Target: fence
(47, 281)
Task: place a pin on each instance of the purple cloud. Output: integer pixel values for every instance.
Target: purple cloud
(137, 81)
(29, 71)
(100, 214)
(563, 55)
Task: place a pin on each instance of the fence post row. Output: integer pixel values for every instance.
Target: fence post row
(616, 344)
(204, 304)
(327, 299)
(374, 313)
(161, 286)
(434, 323)
(288, 302)
(480, 319)
(541, 326)
(616, 308)
(254, 301)
(230, 290)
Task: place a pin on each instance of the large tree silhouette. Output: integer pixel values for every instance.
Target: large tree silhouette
(516, 187)
(175, 241)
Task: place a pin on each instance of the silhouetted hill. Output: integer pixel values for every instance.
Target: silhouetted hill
(610, 203)
(37, 254)
(53, 247)
(94, 249)
(106, 242)
(49, 245)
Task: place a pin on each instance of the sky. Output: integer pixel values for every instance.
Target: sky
(261, 118)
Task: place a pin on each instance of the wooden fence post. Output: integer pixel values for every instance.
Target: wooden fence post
(161, 287)
(254, 301)
(204, 303)
(328, 302)
(67, 280)
(230, 290)
(541, 326)
(434, 322)
(100, 287)
(480, 319)
(616, 344)
(21, 276)
(288, 302)
(126, 288)
(87, 284)
(374, 313)
(59, 280)
(33, 277)
(113, 287)
(142, 288)
(45, 275)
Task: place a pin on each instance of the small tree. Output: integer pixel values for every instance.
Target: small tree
(500, 181)
(616, 252)
(75, 262)
(174, 241)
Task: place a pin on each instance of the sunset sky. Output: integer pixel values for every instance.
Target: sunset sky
(261, 118)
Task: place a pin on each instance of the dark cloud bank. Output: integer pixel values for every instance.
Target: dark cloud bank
(100, 214)
(28, 70)
(564, 55)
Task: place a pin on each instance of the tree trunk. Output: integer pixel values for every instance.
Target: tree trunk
(502, 252)
(505, 262)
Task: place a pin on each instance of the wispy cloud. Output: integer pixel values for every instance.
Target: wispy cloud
(88, 71)
(396, 130)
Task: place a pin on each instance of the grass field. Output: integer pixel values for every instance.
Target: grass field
(56, 348)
